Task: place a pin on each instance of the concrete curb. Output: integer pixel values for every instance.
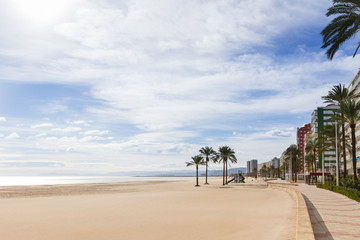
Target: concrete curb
(304, 230)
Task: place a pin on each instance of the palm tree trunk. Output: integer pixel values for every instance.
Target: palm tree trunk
(312, 165)
(197, 176)
(223, 172)
(353, 146)
(207, 160)
(292, 169)
(315, 165)
(344, 147)
(226, 173)
(315, 160)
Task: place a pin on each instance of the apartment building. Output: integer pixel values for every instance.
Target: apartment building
(273, 162)
(300, 138)
(321, 117)
(251, 166)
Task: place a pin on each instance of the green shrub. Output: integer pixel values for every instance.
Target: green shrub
(349, 192)
(349, 182)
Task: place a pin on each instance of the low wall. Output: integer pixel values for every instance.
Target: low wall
(304, 229)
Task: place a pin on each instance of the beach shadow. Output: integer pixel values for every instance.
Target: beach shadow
(321, 232)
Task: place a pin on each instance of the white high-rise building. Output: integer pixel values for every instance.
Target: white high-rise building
(251, 166)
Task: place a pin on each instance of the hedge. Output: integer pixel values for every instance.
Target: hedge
(349, 192)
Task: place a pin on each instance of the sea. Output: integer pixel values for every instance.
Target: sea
(54, 180)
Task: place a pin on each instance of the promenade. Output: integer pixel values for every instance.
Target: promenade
(332, 215)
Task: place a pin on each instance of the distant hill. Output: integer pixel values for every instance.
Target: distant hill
(177, 173)
(220, 172)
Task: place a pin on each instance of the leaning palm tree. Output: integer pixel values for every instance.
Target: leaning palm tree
(343, 27)
(207, 152)
(196, 160)
(225, 153)
(338, 95)
(351, 114)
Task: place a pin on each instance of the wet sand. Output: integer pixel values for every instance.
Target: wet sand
(147, 210)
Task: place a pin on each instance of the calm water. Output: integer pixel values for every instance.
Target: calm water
(44, 180)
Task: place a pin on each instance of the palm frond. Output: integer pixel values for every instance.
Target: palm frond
(343, 27)
(189, 164)
(207, 152)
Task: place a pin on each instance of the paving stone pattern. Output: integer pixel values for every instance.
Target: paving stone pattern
(332, 215)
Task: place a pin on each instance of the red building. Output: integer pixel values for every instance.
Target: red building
(301, 132)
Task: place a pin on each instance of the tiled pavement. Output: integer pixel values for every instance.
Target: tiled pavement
(332, 215)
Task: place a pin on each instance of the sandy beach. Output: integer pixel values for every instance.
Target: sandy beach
(147, 210)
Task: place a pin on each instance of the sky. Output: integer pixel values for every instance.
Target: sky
(94, 87)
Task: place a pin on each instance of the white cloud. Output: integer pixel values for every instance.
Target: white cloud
(93, 138)
(13, 135)
(172, 72)
(2, 119)
(78, 122)
(279, 133)
(41, 135)
(42, 125)
(67, 129)
(96, 132)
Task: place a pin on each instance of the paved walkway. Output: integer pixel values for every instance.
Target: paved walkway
(332, 215)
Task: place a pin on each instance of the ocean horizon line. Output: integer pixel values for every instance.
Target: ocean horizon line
(59, 180)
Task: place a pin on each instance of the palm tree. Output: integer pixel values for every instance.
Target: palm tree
(309, 162)
(207, 152)
(263, 171)
(311, 149)
(351, 115)
(272, 171)
(284, 168)
(196, 160)
(255, 171)
(338, 95)
(292, 154)
(343, 27)
(225, 153)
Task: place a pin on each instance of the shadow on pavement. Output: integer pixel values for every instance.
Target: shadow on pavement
(321, 232)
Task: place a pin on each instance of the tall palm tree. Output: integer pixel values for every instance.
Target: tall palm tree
(284, 167)
(207, 152)
(225, 153)
(311, 149)
(272, 171)
(292, 154)
(331, 140)
(263, 171)
(351, 115)
(309, 158)
(343, 27)
(338, 95)
(196, 160)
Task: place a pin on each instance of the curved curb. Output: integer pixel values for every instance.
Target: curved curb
(304, 230)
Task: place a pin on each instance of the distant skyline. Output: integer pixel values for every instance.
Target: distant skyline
(91, 87)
